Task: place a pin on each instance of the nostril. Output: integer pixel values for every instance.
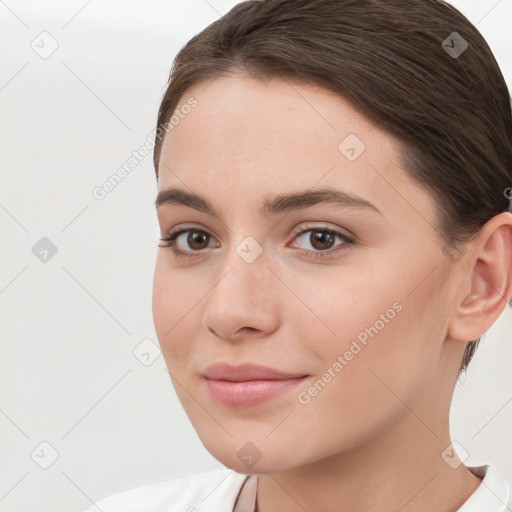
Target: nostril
(248, 328)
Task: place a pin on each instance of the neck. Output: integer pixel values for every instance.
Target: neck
(398, 472)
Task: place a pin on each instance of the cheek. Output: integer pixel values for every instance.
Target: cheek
(381, 324)
(373, 365)
(351, 309)
(175, 306)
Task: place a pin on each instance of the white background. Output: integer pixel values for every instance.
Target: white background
(69, 326)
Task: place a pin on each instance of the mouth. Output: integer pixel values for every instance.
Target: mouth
(248, 385)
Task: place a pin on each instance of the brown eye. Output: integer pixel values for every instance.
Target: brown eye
(194, 242)
(322, 241)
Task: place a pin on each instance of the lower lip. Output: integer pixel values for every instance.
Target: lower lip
(249, 393)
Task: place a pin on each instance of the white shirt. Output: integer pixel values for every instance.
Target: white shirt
(217, 491)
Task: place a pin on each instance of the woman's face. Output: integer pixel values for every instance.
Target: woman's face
(350, 323)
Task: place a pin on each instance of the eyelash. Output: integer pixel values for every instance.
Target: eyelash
(170, 242)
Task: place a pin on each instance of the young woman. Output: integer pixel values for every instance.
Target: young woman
(334, 201)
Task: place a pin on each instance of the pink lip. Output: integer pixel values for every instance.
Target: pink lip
(247, 385)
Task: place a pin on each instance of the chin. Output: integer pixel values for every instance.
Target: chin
(252, 458)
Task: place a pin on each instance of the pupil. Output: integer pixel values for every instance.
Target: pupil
(323, 237)
(194, 237)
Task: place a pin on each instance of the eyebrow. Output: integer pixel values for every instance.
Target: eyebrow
(272, 205)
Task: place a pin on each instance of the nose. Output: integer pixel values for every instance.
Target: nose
(243, 300)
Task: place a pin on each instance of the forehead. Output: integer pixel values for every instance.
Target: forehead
(257, 117)
(251, 136)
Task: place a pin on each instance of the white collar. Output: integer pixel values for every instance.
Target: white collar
(492, 495)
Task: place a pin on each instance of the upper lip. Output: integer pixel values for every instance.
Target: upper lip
(245, 372)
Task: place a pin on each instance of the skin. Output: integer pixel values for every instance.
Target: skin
(372, 439)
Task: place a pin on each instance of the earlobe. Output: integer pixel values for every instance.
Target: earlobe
(490, 281)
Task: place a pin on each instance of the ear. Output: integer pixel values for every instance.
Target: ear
(487, 286)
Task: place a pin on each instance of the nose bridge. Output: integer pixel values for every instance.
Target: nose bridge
(244, 270)
(242, 294)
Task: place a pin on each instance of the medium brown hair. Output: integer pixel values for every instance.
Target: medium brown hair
(417, 68)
